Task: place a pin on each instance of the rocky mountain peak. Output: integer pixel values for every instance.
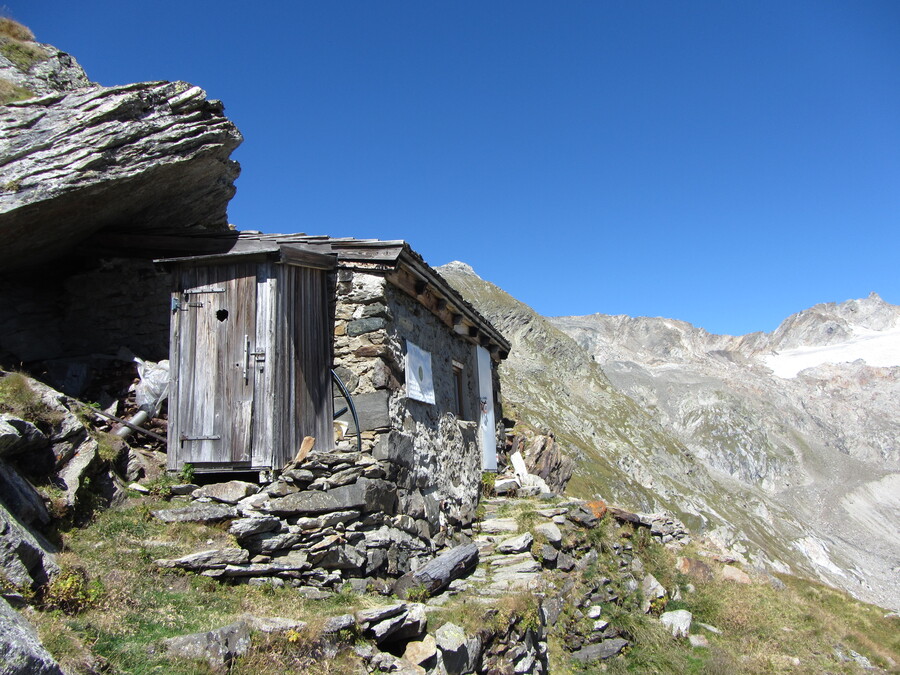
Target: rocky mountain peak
(832, 323)
(460, 268)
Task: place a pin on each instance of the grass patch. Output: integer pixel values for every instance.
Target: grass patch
(22, 54)
(122, 605)
(19, 399)
(13, 29)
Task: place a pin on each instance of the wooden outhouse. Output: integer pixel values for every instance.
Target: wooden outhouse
(250, 357)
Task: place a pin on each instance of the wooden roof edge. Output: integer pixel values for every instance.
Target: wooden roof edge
(293, 254)
(418, 265)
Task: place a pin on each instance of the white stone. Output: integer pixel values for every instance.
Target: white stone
(550, 532)
(516, 544)
(678, 622)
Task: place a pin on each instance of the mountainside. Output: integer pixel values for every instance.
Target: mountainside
(797, 473)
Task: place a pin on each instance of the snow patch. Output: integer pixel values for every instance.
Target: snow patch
(876, 348)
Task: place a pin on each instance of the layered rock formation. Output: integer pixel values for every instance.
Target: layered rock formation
(77, 158)
(139, 158)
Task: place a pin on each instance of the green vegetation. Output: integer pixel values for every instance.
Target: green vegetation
(113, 605)
(17, 44)
(10, 93)
(19, 399)
(488, 479)
(778, 625)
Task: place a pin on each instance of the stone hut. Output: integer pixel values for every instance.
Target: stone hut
(418, 362)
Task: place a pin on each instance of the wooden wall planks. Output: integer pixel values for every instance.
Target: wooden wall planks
(257, 378)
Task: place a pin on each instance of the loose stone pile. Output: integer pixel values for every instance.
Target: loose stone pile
(333, 517)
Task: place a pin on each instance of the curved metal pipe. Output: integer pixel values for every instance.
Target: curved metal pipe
(347, 397)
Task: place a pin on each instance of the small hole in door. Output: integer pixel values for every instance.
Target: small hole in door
(222, 314)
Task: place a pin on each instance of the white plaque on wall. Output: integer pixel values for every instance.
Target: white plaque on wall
(419, 383)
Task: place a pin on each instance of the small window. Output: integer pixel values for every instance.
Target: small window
(458, 389)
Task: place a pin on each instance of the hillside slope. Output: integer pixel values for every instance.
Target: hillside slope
(661, 414)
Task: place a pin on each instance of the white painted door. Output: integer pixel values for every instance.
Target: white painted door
(486, 427)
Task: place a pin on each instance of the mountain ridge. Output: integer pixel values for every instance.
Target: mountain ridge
(791, 473)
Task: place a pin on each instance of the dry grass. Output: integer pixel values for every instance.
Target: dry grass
(15, 30)
(19, 399)
(17, 44)
(10, 92)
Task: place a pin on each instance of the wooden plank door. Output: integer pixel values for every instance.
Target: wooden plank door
(215, 364)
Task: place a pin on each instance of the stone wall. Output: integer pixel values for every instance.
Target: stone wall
(432, 455)
(95, 308)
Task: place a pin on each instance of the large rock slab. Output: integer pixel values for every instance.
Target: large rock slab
(601, 650)
(21, 650)
(366, 494)
(20, 497)
(196, 513)
(18, 436)
(437, 574)
(139, 158)
(25, 557)
(212, 559)
(230, 492)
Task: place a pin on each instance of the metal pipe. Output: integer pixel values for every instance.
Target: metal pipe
(349, 399)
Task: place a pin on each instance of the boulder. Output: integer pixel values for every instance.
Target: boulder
(601, 650)
(19, 436)
(545, 459)
(731, 573)
(273, 624)
(516, 544)
(583, 516)
(78, 468)
(138, 158)
(651, 590)
(550, 532)
(335, 624)
(245, 527)
(230, 492)
(436, 574)
(20, 497)
(678, 622)
(421, 652)
(499, 525)
(451, 641)
(25, 557)
(217, 647)
(21, 650)
(694, 568)
(369, 617)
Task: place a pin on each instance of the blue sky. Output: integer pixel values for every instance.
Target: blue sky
(725, 163)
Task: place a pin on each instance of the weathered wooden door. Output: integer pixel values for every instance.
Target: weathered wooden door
(215, 356)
